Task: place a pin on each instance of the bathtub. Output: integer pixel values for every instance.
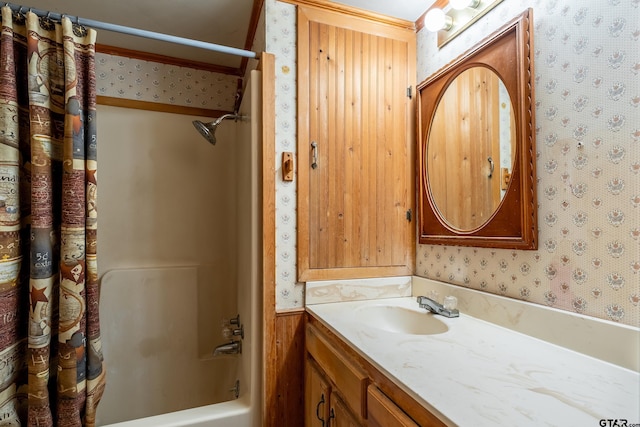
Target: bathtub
(161, 370)
(235, 413)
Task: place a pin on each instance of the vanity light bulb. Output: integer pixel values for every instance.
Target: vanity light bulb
(462, 4)
(436, 20)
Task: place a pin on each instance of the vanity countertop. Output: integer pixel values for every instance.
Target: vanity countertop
(481, 374)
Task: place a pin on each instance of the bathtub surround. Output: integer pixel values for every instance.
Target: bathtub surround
(162, 214)
(181, 214)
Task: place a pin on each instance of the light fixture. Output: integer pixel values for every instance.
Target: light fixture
(436, 20)
(451, 17)
(463, 4)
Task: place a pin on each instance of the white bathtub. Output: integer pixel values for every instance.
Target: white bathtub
(235, 413)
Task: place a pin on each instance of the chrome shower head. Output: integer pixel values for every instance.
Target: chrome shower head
(208, 129)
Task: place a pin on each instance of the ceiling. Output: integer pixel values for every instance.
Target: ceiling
(224, 22)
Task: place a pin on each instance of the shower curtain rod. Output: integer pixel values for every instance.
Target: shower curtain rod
(136, 32)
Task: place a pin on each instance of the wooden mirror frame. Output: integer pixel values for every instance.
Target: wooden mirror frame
(509, 53)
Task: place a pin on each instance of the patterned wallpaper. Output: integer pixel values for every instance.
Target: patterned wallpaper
(588, 130)
(587, 66)
(139, 80)
(281, 41)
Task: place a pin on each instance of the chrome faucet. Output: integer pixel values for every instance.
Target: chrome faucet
(232, 347)
(436, 307)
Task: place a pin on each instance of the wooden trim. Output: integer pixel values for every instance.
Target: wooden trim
(509, 53)
(290, 312)
(303, 88)
(251, 33)
(269, 374)
(354, 12)
(156, 106)
(170, 60)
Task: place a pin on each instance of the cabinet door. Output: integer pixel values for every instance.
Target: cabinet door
(316, 396)
(340, 414)
(382, 412)
(355, 147)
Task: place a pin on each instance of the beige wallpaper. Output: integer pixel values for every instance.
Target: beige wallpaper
(139, 80)
(587, 61)
(281, 41)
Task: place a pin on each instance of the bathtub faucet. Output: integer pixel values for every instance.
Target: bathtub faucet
(232, 347)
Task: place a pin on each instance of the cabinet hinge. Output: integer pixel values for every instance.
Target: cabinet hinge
(409, 94)
(409, 215)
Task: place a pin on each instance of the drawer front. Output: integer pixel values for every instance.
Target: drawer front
(348, 377)
(382, 412)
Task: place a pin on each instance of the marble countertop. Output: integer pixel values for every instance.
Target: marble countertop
(481, 374)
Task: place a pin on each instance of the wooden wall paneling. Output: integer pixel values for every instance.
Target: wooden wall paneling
(288, 363)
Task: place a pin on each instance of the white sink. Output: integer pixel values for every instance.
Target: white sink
(400, 320)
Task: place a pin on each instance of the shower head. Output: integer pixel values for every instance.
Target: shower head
(208, 130)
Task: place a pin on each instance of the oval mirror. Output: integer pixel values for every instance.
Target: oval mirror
(473, 134)
(476, 151)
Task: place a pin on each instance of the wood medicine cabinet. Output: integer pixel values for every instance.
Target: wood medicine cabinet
(356, 132)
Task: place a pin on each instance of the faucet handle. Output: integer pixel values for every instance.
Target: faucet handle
(437, 308)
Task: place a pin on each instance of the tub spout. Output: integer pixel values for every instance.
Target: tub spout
(232, 347)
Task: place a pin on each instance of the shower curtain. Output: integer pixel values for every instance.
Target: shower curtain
(51, 364)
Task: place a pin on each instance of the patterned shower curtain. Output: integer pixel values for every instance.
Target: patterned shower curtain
(51, 364)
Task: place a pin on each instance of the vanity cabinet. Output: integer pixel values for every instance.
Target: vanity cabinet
(338, 380)
(382, 412)
(343, 390)
(323, 405)
(356, 174)
(317, 392)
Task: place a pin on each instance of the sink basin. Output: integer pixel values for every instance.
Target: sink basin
(401, 320)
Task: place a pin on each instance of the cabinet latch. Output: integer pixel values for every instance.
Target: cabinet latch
(409, 92)
(409, 215)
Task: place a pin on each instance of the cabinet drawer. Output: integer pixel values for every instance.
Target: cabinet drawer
(348, 377)
(382, 412)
